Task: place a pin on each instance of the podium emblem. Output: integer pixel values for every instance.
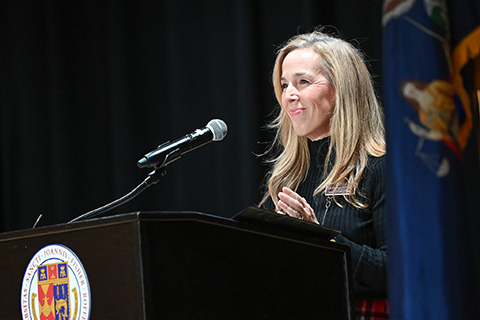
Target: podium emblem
(55, 286)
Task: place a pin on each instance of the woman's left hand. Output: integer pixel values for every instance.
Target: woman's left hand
(295, 205)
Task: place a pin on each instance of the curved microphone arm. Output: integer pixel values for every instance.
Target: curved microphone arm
(153, 178)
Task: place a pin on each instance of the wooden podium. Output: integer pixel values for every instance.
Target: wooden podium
(187, 265)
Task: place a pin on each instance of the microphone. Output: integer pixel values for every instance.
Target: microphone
(168, 152)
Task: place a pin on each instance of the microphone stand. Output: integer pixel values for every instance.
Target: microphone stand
(153, 178)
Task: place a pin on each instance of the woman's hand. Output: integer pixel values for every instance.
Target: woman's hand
(295, 206)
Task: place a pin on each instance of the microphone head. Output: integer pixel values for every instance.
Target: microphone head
(219, 129)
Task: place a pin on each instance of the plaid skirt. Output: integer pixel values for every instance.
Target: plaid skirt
(371, 309)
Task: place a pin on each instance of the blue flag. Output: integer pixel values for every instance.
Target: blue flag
(431, 62)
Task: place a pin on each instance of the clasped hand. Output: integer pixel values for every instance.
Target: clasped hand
(295, 205)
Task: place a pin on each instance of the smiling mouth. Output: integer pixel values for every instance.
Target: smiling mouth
(296, 111)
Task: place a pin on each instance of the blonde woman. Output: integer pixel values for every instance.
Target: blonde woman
(329, 164)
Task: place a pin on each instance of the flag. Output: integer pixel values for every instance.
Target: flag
(431, 63)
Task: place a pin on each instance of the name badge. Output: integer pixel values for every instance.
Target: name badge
(337, 191)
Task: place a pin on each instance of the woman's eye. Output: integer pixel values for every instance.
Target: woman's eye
(303, 81)
(284, 85)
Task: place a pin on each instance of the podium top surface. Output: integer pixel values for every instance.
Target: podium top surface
(251, 219)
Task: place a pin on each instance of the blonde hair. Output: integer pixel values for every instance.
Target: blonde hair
(356, 125)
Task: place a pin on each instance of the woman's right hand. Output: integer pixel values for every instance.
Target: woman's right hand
(295, 205)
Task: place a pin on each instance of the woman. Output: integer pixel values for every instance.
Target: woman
(330, 165)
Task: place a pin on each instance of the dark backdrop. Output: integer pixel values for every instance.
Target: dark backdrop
(88, 87)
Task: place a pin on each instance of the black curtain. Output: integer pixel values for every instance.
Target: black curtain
(89, 87)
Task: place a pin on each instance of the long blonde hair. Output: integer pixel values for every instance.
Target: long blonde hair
(356, 125)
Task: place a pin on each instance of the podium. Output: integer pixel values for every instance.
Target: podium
(182, 265)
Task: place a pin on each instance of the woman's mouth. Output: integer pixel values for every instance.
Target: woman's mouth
(296, 111)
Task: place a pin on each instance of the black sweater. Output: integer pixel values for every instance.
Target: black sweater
(362, 229)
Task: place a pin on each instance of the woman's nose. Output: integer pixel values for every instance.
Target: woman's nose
(292, 92)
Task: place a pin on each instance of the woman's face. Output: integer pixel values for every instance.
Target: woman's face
(307, 97)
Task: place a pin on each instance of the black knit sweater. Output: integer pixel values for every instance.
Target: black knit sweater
(362, 229)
